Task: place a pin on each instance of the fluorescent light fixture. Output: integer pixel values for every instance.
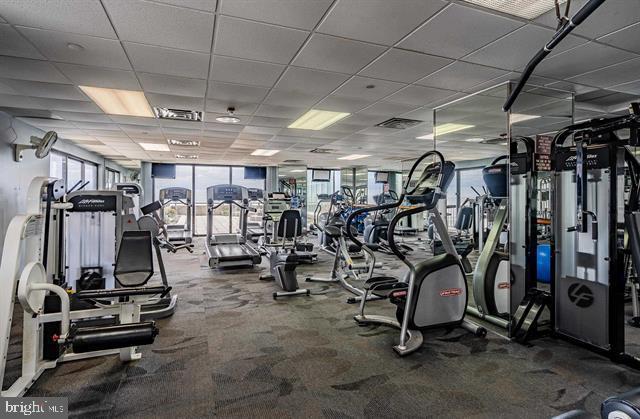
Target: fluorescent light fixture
(520, 117)
(474, 140)
(184, 143)
(317, 119)
(505, 143)
(154, 147)
(228, 119)
(297, 171)
(354, 156)
(527, 9)
(449, 128)
(425, 137)
(119, 102)
(267, 153)
(187, 156)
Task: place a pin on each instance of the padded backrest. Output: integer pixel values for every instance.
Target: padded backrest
(134, 265)
(149, 208)
(290, 219)
(465, 218)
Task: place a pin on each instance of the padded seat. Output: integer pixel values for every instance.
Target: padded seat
(378, 281)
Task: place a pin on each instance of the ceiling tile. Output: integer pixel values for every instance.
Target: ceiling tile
(418, 95)
(608, 18)
(460, 76)
(299, 79)
(12, 43)
(257, 41)
(25, 69)
(357, 87)
(85, 17)
(157, 24)
(85, 117)
(6, 89)
(457, 31)
(626, 38)
(69, 105)
(581, 59)
(633, 87)
(382, 22)
(236, 92)
(206, 5)
(388, 109)
(303, 14)
(48, 90)
(342, 104)
(264, 121)
(279, 111)
(181, 86)
(99, 52)
(330, 53)
(241, 71)
(220, 107)
(173, 62)
(100, 77)
(175, 102)
(514, 51)
(98, 125)
(612, 75)
(404, 66)
(288, 98)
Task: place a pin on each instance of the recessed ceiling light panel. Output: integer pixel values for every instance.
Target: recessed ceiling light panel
(514, 118)
(119, 102)
(449, 128)
(187, 156)
(317, 119)
(527, 9)
(266, 153)
(154, 147)
(354, 157)
(228, 119)
(425, 137)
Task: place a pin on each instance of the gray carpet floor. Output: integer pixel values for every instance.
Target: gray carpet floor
(230, 350)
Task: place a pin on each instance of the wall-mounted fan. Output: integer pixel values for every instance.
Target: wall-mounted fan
(41, 145)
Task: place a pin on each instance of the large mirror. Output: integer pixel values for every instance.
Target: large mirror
(491, 201)
(292, 180)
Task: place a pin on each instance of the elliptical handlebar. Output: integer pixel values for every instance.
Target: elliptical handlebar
(405, 187)
(497, 159)
(359, 211)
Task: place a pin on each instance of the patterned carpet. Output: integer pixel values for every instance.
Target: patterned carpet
(230, 350)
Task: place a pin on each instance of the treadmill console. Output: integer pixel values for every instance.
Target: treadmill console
(226, 193)
(175, 194)
(255, 194)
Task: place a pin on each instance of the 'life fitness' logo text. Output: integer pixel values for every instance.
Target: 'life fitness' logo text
(450, 292)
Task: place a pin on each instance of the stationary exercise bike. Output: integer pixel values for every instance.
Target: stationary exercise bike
(433, 293)
(283, 258)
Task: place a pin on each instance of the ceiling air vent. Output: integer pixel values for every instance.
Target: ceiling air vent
(30, 113)
(399, 123)
(293, 161)
(321, 150)
(177, 114)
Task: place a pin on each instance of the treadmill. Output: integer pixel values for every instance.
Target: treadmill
(255, 228)
(178, 232)
(229, 249)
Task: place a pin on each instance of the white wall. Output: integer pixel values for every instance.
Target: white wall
(15, 177)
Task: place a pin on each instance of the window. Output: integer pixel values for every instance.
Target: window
(319, 188)
(470, 179)
(111, 177)
(375, 189)
(205, 176)
(237, 178)
(75, 172)
(91, 176)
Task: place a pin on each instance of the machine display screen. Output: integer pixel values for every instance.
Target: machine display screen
(259, 173)
(163, 171)
(320, 175)
(382, 177)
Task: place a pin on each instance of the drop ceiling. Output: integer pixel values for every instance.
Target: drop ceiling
(273, 60)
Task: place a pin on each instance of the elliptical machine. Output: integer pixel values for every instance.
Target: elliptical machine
(283, 258)
(433, 293)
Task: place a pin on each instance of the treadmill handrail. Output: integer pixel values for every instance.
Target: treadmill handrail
(562, 33)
